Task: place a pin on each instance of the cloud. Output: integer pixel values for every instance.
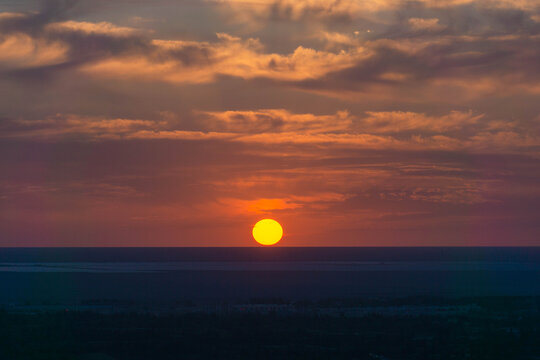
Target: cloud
(33, 22)
(336, 40)
(181, 135)
(419, 24)
(436, 68)
(505, 139)
(275, 120)
(478, 56)
(229, 56)
(325, 10)
(48, 42)
(404, 131)
(460, 193)
(77, 127)
(20, 51)
(400, 122)
(340, 11)
(7, 16)
(107, 50)
(89, 28)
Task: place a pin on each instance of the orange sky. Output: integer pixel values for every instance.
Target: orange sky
(353, 123)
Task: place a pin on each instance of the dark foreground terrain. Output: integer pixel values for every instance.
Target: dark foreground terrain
(414, 328)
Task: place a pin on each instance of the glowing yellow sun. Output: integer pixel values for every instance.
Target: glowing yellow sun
(267, 232)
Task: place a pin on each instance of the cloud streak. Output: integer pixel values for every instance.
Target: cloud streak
(456, 131)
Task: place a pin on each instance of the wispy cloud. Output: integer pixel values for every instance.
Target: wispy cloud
(456, 131)
(230, 56)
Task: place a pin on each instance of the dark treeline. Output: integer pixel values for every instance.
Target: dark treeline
(502, 328)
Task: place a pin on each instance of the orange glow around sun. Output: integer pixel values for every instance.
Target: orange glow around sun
(267, 232)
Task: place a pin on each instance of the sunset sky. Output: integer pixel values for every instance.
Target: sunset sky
(352, 123)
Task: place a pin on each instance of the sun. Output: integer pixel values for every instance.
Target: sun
(267, 232)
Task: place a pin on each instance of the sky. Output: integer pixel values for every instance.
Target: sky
(352, 123)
